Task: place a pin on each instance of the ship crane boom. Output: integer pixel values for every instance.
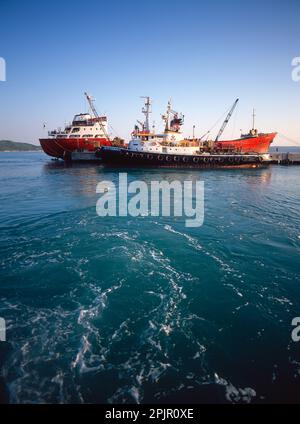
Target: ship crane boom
(91, 104)
(226, 120)
(95, 113)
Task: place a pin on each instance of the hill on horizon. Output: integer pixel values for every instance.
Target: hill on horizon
(13, 146)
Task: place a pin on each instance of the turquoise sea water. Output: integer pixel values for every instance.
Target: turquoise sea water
(285, 149)
(144, 309)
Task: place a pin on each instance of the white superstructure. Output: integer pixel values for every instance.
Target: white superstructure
(83, 126)
(171, 141)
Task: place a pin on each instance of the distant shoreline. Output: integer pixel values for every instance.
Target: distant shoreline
(9, 146)
(21, 151)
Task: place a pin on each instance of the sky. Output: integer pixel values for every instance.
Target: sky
(201, 54)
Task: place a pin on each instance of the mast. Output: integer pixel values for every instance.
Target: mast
(153, 127)
(166, 117)
(146, 111)
(253, 119)
(226, 120)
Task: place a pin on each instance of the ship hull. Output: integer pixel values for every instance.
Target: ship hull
(118, 157)
(62, 148)
(252, 144)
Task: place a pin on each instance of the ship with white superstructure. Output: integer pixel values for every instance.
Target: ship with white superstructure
(171, 149)
(86, 133)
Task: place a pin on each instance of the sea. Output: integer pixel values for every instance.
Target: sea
(285, 149)
(144, 309)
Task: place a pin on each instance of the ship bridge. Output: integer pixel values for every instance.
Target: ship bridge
(82, 119)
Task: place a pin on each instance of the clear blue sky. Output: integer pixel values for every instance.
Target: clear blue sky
(202, 54)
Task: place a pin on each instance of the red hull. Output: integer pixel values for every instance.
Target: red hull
(63, 147)
(252, 144)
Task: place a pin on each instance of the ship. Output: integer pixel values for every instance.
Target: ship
(251, 142)
(171, 150)
(86, 133)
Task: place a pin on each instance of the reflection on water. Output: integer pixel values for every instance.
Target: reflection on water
(260, 177)
(82, 178)
(87, 175)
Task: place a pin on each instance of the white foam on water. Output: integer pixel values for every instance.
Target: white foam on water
(233, 394)
(194, 243)
(87, 361)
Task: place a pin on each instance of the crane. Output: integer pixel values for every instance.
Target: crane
(226, 120)
(91, 104)
(95, 113)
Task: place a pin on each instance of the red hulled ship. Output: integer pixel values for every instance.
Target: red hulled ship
(252, 142)
(87, 132)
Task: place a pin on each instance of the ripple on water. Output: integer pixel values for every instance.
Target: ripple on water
(146, 310)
